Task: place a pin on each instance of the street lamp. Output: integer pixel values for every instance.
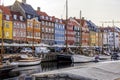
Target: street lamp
(2, 36)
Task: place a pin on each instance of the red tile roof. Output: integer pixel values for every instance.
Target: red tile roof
(6, 11)
(41, 13)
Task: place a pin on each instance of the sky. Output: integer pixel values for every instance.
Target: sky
(95, 10)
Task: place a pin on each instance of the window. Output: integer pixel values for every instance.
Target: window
(42, 17)
(56, 20)
(28, 16)
(14, 24)
(7, 17)
(50, 19)
(36, 18)
(49, 23)
(46, 23)
(14, 33)
(6, 34)
(43, 30)
(7, 25)
(46, 29)
(21, 18)
(46, 18)
(15, 17)
(42, 22)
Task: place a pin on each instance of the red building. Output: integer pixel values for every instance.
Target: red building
(69, 39)
(47, 27)
(19, 28)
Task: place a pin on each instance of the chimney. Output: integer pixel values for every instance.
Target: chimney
(23, 1)
(38, 9)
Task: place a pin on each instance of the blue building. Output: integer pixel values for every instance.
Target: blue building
(59, 32)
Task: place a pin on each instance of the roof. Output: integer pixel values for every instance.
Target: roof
(16, 13)
(92, 26)
(41, 13)
(6, 11)
(28, 9)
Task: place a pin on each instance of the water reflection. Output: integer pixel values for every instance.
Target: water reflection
(25, 72)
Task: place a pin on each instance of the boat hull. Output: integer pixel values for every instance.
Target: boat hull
(28, 62)
(64, 58)
(4, 70)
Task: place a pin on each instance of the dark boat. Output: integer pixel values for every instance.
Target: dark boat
(64, 58)
(5, 69)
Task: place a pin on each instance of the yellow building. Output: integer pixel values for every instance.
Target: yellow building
(0, 24)
(8, 29)
(92, 38)
(33, 31)
(6, 21)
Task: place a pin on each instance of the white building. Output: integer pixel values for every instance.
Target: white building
(111, 38)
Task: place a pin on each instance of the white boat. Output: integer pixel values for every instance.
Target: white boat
(25, 60)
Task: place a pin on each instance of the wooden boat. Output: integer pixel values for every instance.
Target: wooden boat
(25, 60)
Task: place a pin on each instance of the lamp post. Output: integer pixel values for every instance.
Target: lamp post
(2, 36)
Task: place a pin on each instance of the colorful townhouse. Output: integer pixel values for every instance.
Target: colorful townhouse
(69, 38)
(47, 27)
(59, 32)
(100, 36)
(33, 31)
(76, 29)
(84, 32)
(19, 28)
(92, 35)
(7, 24)
(31, 19)
(111, 38)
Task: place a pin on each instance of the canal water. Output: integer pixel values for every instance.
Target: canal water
(24, 73)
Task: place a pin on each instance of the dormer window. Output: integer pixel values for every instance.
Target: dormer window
(21, 18)
(50, 19)
(42, 17)
(36, 18)
(60, 21)
(28, 16)
(56, 20)
(7, 17)
(15, 17)
(46, 18)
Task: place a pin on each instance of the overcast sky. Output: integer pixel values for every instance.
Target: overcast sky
(94, 10)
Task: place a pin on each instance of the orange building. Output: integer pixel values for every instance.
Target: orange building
(85, 36)
(33, 31)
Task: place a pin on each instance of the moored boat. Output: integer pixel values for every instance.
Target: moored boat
(25, 60)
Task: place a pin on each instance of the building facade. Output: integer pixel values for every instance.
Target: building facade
(7, 24)
(47, 27)
(59, 32)
(19, 28)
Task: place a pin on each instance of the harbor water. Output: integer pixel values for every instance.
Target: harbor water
(24, 73)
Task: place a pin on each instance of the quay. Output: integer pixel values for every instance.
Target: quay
(108, 70)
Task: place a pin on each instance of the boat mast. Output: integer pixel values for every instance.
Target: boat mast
(66, 26)
(80, 40)
(33, 34)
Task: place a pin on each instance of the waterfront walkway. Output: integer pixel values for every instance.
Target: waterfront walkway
(108, 70)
